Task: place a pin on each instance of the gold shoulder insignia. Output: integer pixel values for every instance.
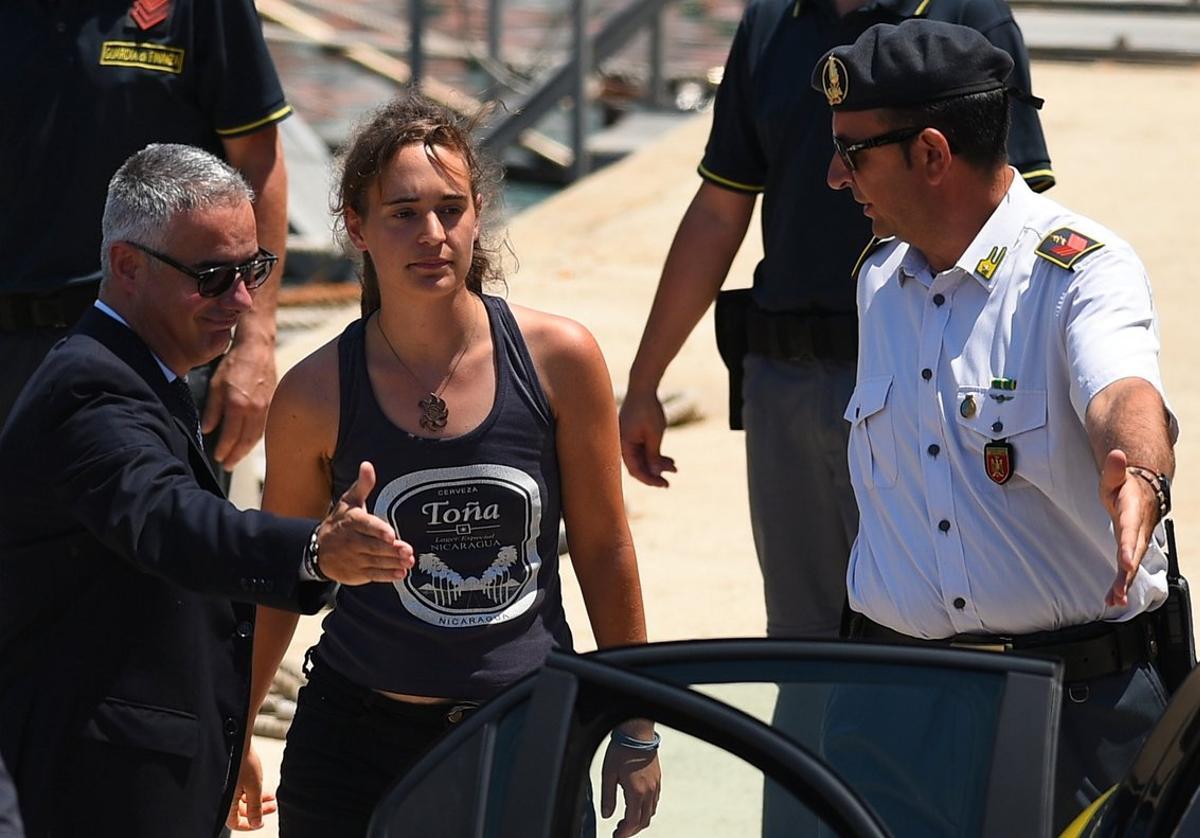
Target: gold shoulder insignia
(874, 244)
(1064, 247)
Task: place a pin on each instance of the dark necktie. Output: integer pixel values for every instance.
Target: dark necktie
(183, 407)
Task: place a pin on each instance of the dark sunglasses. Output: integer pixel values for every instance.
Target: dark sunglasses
(213, 282)
(847, 152)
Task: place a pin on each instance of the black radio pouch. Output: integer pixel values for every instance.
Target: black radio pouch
(1173, 622)
(732, 342)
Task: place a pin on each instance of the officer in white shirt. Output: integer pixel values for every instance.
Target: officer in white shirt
(1011, 448)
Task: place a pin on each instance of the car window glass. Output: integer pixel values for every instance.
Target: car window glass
(711, 792)
(447, 802)
(915, 743)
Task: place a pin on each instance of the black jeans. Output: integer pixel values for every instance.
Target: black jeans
(347, 746)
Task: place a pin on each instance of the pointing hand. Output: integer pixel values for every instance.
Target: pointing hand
(356, 547)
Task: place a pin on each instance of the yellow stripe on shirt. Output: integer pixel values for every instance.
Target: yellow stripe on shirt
(724, 181)
(250, 126)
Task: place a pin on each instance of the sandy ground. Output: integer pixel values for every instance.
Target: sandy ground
(1122, 140)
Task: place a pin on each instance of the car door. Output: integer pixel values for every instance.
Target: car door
(1161, 794)
(890, 740)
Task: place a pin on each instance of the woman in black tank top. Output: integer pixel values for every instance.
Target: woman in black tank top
(471, 425)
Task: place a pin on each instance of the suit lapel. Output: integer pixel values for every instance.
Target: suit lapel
(130, 348)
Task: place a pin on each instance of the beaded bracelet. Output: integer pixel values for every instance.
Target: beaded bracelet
(312, 559)
(634, 744)
(1159, 483)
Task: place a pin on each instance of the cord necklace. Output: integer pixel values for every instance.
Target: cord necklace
(434, 412)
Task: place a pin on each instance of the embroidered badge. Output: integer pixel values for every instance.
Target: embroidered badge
(998, 458)
(146, 56)
(987, 267)
(1064, 247)
(148, 14)
(835, 81)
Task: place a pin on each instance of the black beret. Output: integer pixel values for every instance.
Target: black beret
(914, 62)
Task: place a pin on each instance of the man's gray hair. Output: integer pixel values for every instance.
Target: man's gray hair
(158, 183)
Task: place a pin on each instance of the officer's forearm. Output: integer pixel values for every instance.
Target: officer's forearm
(707, 240)
(1129, 415)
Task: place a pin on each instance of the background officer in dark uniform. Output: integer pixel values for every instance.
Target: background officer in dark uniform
(85, 86)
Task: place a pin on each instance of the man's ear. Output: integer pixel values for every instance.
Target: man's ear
(124, 263)
(931, 151)
(478, 212)
(354, 229)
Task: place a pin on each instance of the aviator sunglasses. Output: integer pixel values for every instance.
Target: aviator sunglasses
(847, 151)
(213, 282)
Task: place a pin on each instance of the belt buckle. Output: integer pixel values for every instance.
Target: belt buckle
(1003, 647)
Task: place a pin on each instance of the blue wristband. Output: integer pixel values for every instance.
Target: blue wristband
(626, 741)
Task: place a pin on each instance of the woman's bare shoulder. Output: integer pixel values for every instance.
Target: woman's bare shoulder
(308, 392)
(566, 355)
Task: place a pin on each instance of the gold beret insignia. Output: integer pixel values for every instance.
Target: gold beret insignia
(835, 80)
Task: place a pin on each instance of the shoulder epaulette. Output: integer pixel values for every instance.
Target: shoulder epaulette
(874, 244)
(1064, 247)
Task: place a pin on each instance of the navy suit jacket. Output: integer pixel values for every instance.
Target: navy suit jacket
(126, 591)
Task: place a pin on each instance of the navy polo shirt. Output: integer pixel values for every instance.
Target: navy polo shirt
(89, 82)
(771, 133)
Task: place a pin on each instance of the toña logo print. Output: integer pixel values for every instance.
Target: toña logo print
(474, 530)
(448, 585)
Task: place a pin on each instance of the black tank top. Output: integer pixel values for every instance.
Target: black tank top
(483, 604)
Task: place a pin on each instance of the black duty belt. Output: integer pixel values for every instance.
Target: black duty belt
(790, 336)
(52, 310)
(1088, 651)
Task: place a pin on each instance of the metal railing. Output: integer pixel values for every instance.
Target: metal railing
(571, 78)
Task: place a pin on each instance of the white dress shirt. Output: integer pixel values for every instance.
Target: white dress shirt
(942, 549)
(115, 315)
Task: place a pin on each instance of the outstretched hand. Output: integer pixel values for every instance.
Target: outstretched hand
(1133, 507)
(640, 778)
(357, 547)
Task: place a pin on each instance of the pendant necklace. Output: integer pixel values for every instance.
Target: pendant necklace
(434, 412)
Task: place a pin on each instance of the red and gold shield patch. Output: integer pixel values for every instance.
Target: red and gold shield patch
(998, 461)
(1064, 247)
(149, 13)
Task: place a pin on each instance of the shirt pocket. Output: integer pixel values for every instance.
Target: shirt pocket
(1018, 417)
(872, 450)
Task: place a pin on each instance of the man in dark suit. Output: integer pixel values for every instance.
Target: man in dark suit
(124, 664)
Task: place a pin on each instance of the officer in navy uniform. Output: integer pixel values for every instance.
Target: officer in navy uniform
(88, 84)
(1010, 448)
